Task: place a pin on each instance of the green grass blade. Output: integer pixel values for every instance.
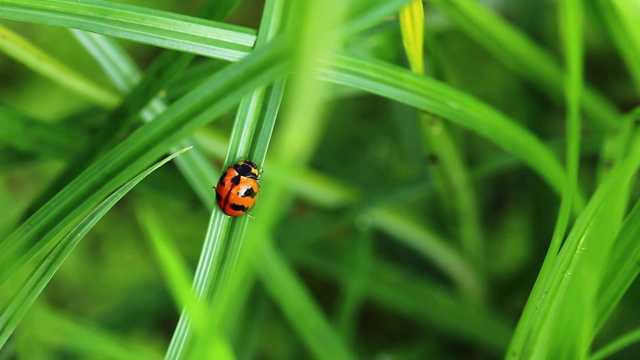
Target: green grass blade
(153, 27)
(571, 24)
(215, 96)
(177, 274)
(365, 14)
(618, 344)
(353, 287)
(402, 227)
(618, 20)
(410, 231)
(310, 27)
(617, 279)
(580, 294)
(420, 299)
(224, 237)
(525, 58)
(29, 135)
(584, 248)
(28, 54)
(297, 304)
(123, 71)
(20, 303)
(450, 175)
(621, 18)
(60, 332)
(174, 269)
(445, 164)
(440, 99)
(570, 21)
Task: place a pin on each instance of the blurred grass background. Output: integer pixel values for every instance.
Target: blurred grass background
(362, 245)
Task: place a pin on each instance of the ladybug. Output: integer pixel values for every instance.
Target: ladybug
(237, 188)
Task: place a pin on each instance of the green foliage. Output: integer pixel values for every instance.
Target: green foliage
(413, 200)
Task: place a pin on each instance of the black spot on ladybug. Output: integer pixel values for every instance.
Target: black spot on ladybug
(236, 180)
(248, 192)
(218, 196)
(238, 207)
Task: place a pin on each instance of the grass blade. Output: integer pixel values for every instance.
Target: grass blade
(224, 237)
(18, 306)
(616, 280)
(25, 52)
(525, 58)
(586, 234)
(297, 304)
(215, 96)
(24, 133)
(445, 164)
(619, 344)
(420, 299)
(440, 99)
(153, 27)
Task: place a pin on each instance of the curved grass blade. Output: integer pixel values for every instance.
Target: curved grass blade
(20, 303)
(542, 309)
(153, 27)
(440, 99)
(617, 17)
(447, 166)
(423, 300)
(367, 13)
(617, 345)
(316, 334)
(215, 96)
(53, 329)
(296, 303)
(621, 19)
(624, 254)
(24, 133)
(581, 293)
(124, 72)
(516, 51)
(402, 226)
(25, 52)
(176, 272)
(224, 237)
(355, 73)
(406, 229)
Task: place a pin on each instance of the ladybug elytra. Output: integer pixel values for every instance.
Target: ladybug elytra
(238, 188)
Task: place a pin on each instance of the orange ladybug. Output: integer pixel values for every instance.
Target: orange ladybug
(238, 188)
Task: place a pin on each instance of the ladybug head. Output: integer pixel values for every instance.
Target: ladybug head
(247, 169)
